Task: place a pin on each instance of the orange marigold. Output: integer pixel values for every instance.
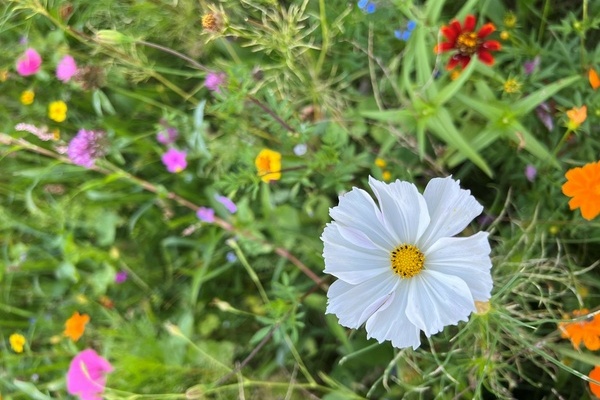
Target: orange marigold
(75, 326)
(576, 115)
(583, 185)
(268, 164)
(585, 330)
(595, 375)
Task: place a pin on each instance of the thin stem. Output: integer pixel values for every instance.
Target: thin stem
(272, 113)
(175, 53)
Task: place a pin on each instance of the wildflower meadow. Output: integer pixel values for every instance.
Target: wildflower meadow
(299, 199)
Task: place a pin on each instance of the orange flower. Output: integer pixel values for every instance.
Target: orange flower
(75, 326)
(594, 78)
(583, 185)
(586, 330)
(595, 375)
(268, 164)
(577, 116)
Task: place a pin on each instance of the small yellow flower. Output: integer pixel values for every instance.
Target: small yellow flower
(57, 111)
(386, 175)
(510, 20)
(268, 164)
(3, 75)
(17, 341)
(55, 339)
(576, 115)
(454, 74)
(512, 86)
(380, 162)
(27, 97)
(55, 134)
(211, 22)
(504, 35)
(553, 230)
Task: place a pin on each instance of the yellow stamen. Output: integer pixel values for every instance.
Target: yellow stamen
(407, 260)
(467, 43)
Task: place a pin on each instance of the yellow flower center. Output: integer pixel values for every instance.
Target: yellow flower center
(467, 43)
(210, 22)
(407, 260)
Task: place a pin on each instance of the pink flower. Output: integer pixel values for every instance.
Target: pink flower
(121, 277)
(214, 81)
(86, 376)
(174, 160)
(167, 136)
(66, 68)
(206, 214)
(29, 63)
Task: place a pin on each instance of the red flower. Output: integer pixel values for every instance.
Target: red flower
(467, 42)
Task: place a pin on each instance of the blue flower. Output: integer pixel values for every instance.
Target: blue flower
(367, 6)
(404, 35)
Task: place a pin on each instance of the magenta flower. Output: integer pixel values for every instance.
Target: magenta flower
(29, 63)
(530, 66)
(206, 214)
(86, 376)
(174, 160)
(121, 277)
(226, 201)
(66, 68)
(167, 136)
(214, 81)
(86, 147)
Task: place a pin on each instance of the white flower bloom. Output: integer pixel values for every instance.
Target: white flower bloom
(398, 267)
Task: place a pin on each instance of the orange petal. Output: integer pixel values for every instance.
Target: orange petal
(594, 78)
(595, 375)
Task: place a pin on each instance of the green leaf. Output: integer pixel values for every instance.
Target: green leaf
(489, 110)
(30, 390)
(451, 89)
(397, 116)
(529, 103)
(441, 124)
(532, 145)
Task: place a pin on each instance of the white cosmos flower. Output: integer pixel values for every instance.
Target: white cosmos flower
(398, 267)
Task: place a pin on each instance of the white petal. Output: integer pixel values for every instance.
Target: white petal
(358, 210)
(436, 300)
(403, 209)
(450, 208)
(391, 323)
(465, 257)
(354, 304)
(353, 261)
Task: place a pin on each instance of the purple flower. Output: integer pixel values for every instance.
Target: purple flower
(174, 160)
(29, 63)
(66, 68)
(530, 172)
(229, 205)
(121, 277)
(86, 147)
(214, 81)
(543, 113)
(206, 214)
(167, 136)
(231, 257)
(86, 377)
(530, 66)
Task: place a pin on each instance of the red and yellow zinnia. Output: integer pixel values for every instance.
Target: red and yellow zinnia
(467, 42)
(583, 185)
